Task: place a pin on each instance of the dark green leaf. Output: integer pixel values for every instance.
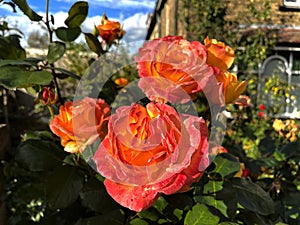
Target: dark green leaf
(15, 62)
(22, 4)
(68, 34)
(63, 186)
(138, 221)
(77, 14)
(93, 43)
(290, 149)
(55, 51)
(39, 155)
(180, 201)
(10, 48)
(150, 214)
(212, 187)
(217, 204)
(253, 197)
(67, 73)
(228, 223)
(160, 204)
(94, 196)
(230, 198)
(173, 214)
(115, 217)
(12, 77)
(251, 217)
(226, 165)
(200, 215)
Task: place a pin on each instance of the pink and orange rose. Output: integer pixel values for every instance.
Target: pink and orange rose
(80, 123)
(175, 59)
(150, 151)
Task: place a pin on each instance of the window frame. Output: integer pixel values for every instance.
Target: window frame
(288, 62)
(287, 4)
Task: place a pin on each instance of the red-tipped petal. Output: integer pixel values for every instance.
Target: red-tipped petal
(136, 198)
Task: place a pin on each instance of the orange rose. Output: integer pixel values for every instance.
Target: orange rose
(218, 54)
(232, 88)
(80, 123)
(149, 151)
(109, 30)
(176, 59)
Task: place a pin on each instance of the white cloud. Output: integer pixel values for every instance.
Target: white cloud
(119, 4)
(135, 26)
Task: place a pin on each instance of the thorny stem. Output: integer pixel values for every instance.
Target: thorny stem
(50, 31)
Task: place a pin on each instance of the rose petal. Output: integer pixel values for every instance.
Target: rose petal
(136, 198)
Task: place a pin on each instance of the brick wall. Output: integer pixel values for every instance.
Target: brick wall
(236, 11)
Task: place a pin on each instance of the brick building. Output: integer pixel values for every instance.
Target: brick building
(173, 17)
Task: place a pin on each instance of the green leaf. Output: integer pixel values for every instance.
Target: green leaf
(94, 196)
(212, 187)
(290, 149)
(217, 204)
(150, 214)
(63, 186)
(24, 7)
(226, 165)
(93, 43)
(77, 14)
(253, 197)
(200, 215)
(55, 51)
(115, 217)
(12, 77)
(39, 155)
(138, 221)
(180, 201)
(68, 34)
(10, 48)
(228, 223)
(251, 217)
(160, 204)
(67, 73)
(16, 62)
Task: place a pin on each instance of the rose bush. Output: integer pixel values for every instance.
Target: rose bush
(154, 155)
(149, 151)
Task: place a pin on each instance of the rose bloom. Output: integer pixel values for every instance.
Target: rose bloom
(175, 59)
(151, 151)
(221, 57)
(218, 54)
(261, 114)
(261, 107)
(80, 123)
(109, 30)
(232, 88)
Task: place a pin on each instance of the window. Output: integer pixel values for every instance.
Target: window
(279, 83)
(291, 3)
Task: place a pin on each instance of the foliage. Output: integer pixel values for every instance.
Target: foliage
(256, 182)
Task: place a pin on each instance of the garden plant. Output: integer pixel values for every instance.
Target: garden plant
(154, 132)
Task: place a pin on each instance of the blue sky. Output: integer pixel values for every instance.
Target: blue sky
(131, 13)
